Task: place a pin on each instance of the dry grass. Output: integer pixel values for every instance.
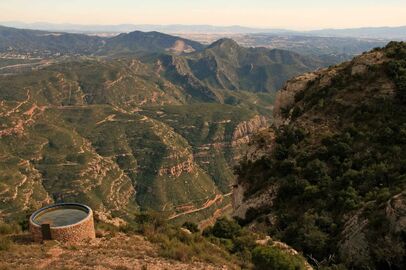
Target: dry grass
(116, 252)
(5, 243)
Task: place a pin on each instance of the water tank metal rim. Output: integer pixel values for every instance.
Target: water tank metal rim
(61, 205)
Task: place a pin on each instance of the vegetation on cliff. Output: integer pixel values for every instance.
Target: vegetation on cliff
(338, 161)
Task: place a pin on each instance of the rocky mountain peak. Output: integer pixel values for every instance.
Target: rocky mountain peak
(224, 44)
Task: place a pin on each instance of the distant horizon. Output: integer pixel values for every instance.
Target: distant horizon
(288, 14)
(32, 23)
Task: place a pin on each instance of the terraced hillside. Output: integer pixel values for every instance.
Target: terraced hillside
(160, 129)
(118, 136)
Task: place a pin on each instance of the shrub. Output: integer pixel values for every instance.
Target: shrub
(267, 257)
(244, 242)
(297, 111)
(9, 228)
(177, 245)
(174, 249)
(226, 228)
(383, 195)
(5, 244)
(316, 170)
(5, 229)
(231, 100)
(148, 223)
(396, 50)
(251, 214)
(397, 71)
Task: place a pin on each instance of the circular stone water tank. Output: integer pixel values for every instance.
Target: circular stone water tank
(65, 222)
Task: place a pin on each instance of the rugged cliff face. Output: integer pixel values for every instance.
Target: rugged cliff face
(357, 244)
(329, 178)
(244, 131)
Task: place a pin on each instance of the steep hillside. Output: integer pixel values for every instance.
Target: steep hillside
(204, 72)
(116, 135)
(217, 134)
(149, 42)
(46, 43)
(226, 65)
(51, 44)
(119, 133)
(329, 178)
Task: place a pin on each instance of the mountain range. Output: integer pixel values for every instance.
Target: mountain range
(49, 43)
(224, 64)
(294, 146)
(136, 121)
(44, 44)
(393, 33)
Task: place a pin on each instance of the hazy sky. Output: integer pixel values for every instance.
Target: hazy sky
(294, 14)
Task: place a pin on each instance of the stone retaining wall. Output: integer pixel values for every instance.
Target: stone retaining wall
(71, 233)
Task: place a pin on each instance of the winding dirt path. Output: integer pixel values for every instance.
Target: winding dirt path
(207, 204)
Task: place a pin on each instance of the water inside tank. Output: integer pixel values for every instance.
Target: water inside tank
(60, 216)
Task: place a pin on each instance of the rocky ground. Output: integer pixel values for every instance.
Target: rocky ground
(109, 252)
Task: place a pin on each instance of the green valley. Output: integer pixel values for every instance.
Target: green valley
(141, 126)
